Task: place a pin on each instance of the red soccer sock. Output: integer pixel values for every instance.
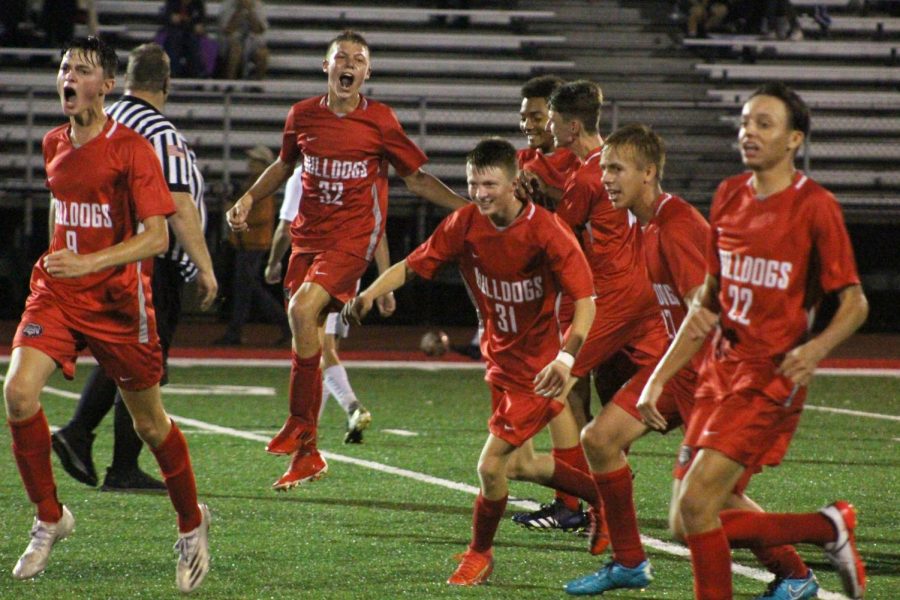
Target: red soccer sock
(31, 448)
(748, 528)
(175, 465)
(572, 481)
(783, 561)
(711, 563)
(306, 389)
(485, 520)
(574, 457)
(617, 491)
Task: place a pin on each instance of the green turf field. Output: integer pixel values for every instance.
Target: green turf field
(365, 533)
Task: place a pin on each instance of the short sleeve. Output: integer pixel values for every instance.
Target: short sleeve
(567, 260)
(146, 183)
(290, 152)
(442, 247)
(403, 154)
(832, 243)
(176, 160)
(574, 207)
(683, 244)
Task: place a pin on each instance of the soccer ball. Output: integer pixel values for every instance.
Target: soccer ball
(434, 343)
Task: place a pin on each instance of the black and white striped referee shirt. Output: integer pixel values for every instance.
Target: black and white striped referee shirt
(179, 164)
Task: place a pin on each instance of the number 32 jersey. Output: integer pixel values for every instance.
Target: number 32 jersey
(345, 172)
(774, 258)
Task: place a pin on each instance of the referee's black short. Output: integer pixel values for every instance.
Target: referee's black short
(168, 286)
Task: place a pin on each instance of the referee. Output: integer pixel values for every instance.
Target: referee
(187, 259)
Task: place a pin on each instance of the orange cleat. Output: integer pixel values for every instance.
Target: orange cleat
(474, 568)
(291, 438)
(598, 532)
(303, 468)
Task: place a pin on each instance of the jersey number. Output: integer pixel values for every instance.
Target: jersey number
(331, 192)
(72, 241)
(669, 321)
(741, 300)
(506, 318)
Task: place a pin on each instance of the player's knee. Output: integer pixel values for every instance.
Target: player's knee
(20, 396)
(490, 472)
(598, 441)
(149, 429)
(693, 506)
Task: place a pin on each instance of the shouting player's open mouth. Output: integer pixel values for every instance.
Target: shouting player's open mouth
(346, 80)
(69, 97)
(749, 149)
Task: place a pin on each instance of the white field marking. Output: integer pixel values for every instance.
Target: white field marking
(660, 545)
(854, 372)
(401, 432)
(217, 390)
(855, 413)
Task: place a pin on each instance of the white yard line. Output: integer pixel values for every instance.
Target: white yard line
(657, 544)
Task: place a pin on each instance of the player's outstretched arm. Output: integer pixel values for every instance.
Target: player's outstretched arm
(800, 363)
(553, 380)
(355, 310)
(699, 321)
(266, 185)
(150, 242)
(433, 189)
(186, 225)
(281, 241)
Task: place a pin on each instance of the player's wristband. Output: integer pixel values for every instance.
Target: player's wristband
(565, 358)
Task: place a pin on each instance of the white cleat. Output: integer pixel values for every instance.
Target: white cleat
(43, 535)
(357, 422)
(193, 555)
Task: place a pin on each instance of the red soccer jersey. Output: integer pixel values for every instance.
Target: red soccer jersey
(773, 258)
(553, 169)
(514, 275)
(674, 245)
(613, 247)
(345, 173)
(100, 192)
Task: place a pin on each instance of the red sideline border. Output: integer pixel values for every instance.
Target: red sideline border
(451, 357)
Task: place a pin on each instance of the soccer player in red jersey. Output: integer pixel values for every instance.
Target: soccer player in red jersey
(346, 142)
(543, 168)
(108, 208)
(674, 241)
(778, 243)
(516, 258)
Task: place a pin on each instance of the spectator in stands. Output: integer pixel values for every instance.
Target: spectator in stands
(183, 30)
(251, 251)
(58, 20)
(780, 21)
(704, 16)
(242, 36)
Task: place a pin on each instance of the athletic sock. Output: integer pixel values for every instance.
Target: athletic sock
(711, 563)
(485, 520)
(617, 491)
(574, 457)
(175, 465)
(306, 390)
(126, 443)
(338, 384)
(570, 480)
(31, 448)
(782, 561)
(747, 528)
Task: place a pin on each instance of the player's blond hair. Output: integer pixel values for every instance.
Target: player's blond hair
(644, 145)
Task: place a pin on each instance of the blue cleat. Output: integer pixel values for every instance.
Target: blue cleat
(612, 576)
(783, 588)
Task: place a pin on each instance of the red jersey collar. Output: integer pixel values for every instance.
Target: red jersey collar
(363, 104)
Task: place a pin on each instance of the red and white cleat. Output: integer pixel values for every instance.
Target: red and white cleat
(474, 568)
(303, 468)
(842, 552)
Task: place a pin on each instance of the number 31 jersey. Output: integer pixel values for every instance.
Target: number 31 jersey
(774, 258)
(345, 172)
